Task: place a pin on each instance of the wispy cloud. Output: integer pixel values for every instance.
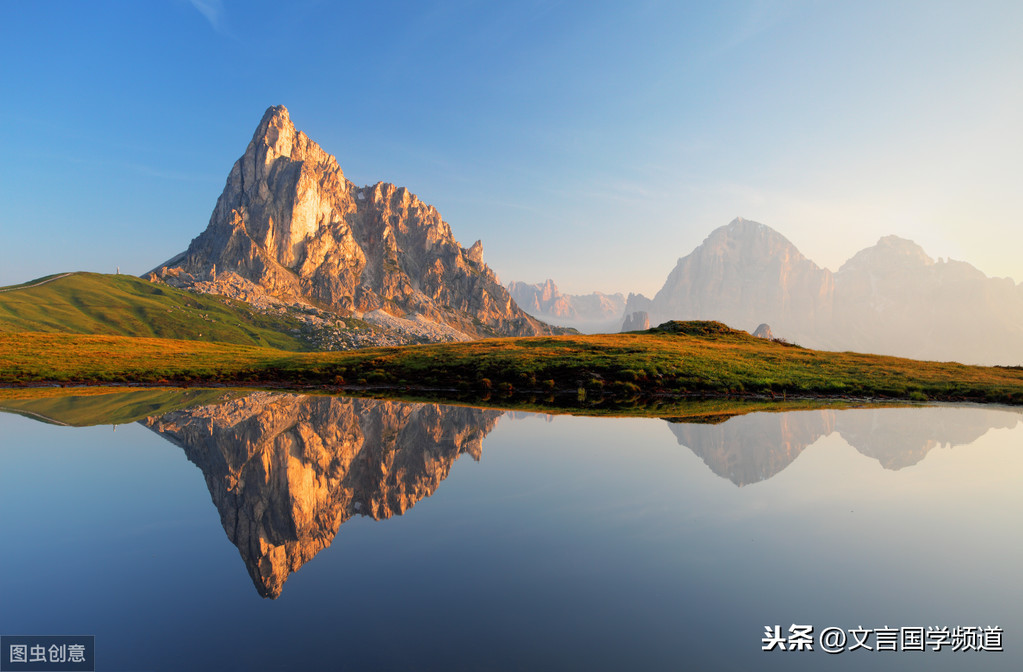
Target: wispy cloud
(758, 17)
(213, 10)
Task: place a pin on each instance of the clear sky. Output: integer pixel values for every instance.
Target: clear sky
(591, 142)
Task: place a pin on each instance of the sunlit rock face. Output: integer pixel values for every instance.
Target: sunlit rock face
(285, 471)
(755, 447)
(291, 223)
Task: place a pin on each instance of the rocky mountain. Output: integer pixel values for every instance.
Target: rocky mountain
(888, 299)
(286, 471)
(744, 274)
(637, 321)
(289, 225)
(545, 302)
(895, 296)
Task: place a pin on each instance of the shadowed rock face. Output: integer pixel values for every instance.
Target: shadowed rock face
(285, 471)
(755, 447)
(289, 222)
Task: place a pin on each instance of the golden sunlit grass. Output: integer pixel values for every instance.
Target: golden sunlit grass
(685, 359)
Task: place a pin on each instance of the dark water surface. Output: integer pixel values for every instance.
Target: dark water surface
(284, 532)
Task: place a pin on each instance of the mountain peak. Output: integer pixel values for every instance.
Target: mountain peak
(276, 112)
(743, 274)
(746, 237)
(900, 244)
(275, 120)
(890, 252)
(276, 136)
(289, 222)
(745, 224)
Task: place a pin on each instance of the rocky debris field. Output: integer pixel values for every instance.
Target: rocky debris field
(325, 330)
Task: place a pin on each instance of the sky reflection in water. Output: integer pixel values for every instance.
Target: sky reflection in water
(572, 543)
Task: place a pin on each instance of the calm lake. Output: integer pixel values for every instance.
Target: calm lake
(270, 531)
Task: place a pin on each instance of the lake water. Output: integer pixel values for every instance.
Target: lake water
(285, 532)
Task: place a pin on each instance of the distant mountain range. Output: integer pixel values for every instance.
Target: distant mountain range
(291, 227)
(887, 299)
(323, 264)
(545, 302)
(756, 447)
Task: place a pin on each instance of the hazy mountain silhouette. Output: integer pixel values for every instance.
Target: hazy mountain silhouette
(887, 299)
(752, 448)
(544, 301)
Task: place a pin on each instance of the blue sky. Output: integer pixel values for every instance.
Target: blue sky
(590, 142)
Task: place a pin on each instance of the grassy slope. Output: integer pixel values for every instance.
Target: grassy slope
(91, 303)
(695, 358)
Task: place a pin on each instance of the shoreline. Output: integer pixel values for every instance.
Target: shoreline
(711, 407)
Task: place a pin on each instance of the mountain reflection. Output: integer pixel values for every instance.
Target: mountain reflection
(752, 448)
(285, 471)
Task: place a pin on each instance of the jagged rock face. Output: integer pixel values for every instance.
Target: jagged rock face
(764, 331)
(636, 321)
(741, 274)
(755, 447)
(546, 302)
(289, 221)
(541, 298)
(285, 471)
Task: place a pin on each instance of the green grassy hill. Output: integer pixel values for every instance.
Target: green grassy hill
(123, 305)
